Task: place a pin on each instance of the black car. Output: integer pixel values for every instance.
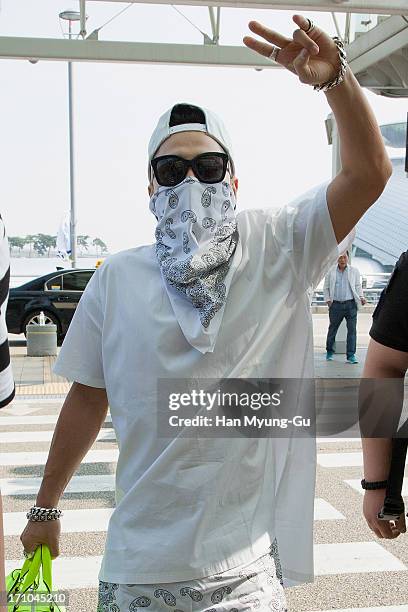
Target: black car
(56, 294)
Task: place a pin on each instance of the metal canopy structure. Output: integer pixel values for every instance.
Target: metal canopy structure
(377, 7)
(378, 57)
(130, 52)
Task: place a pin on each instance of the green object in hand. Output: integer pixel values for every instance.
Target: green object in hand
(29, 589)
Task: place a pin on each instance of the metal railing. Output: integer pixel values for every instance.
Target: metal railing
(372, 284)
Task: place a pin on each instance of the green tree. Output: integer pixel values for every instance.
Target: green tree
(12, 243)
(82, 241)
(43, 243)
(29, 239)
(52, 243)
(98, 243)
(16, 242)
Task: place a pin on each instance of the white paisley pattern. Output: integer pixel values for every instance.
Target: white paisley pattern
(254, 586)
(196, 236)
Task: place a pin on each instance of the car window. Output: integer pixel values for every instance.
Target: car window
(54, 284)
(76, 281)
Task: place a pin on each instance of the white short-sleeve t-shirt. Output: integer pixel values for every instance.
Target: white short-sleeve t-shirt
(189, 507)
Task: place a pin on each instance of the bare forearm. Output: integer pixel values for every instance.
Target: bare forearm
(362, 149)
(381, 400)
(80, 420)
(377, 458)
(380, 413)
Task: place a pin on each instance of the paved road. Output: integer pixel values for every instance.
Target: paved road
(354, 570)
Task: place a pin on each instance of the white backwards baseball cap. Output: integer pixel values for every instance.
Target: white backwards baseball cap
(213, 126)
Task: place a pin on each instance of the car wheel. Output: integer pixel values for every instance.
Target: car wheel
(34, 319)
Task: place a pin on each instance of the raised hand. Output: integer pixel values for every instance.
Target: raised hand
(313, 57)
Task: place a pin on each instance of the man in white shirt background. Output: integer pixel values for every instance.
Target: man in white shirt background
(343, 295)
(219, 295)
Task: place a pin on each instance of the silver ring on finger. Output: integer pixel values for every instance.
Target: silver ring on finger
(274, 53)
(311, 25)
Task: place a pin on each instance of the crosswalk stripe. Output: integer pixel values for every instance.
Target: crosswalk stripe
(335, 460)
(69, 572)
(323, 511)
(51, 419)
(26, 407)
(18, 401)
(16, 437)
(330, 440)
(91, 483)
(398, 608)
(354, 557)
(349, 558)
(40, 458)
(96, 519)
(41, 419)
(350, 459)
(354, 483)
(72, 521)
(82, 572)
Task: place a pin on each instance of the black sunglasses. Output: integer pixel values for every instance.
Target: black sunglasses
(170, 170)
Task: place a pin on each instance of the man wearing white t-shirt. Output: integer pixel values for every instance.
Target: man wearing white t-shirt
(221, 294)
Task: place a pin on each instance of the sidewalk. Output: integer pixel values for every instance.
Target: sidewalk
(339, 368)
(34, 377)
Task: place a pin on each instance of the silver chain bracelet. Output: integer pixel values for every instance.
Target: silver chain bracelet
(343, 67)
(37, 513)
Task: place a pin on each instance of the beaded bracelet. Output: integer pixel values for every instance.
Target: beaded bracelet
(343, 67)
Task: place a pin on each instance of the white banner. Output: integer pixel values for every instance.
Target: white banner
(64, 236)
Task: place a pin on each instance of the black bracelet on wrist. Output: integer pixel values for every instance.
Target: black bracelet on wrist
(377, 484)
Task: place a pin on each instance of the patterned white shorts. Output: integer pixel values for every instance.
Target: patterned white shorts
(254, 586)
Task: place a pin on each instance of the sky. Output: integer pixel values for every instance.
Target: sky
(276, 122)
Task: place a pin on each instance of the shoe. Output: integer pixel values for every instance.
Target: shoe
(352, 359)
(329, 356)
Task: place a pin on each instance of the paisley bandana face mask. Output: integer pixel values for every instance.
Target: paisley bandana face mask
(196, 238)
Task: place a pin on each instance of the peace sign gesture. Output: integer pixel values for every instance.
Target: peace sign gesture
(312, 56)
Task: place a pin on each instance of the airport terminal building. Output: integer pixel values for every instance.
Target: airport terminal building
(382, 233)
